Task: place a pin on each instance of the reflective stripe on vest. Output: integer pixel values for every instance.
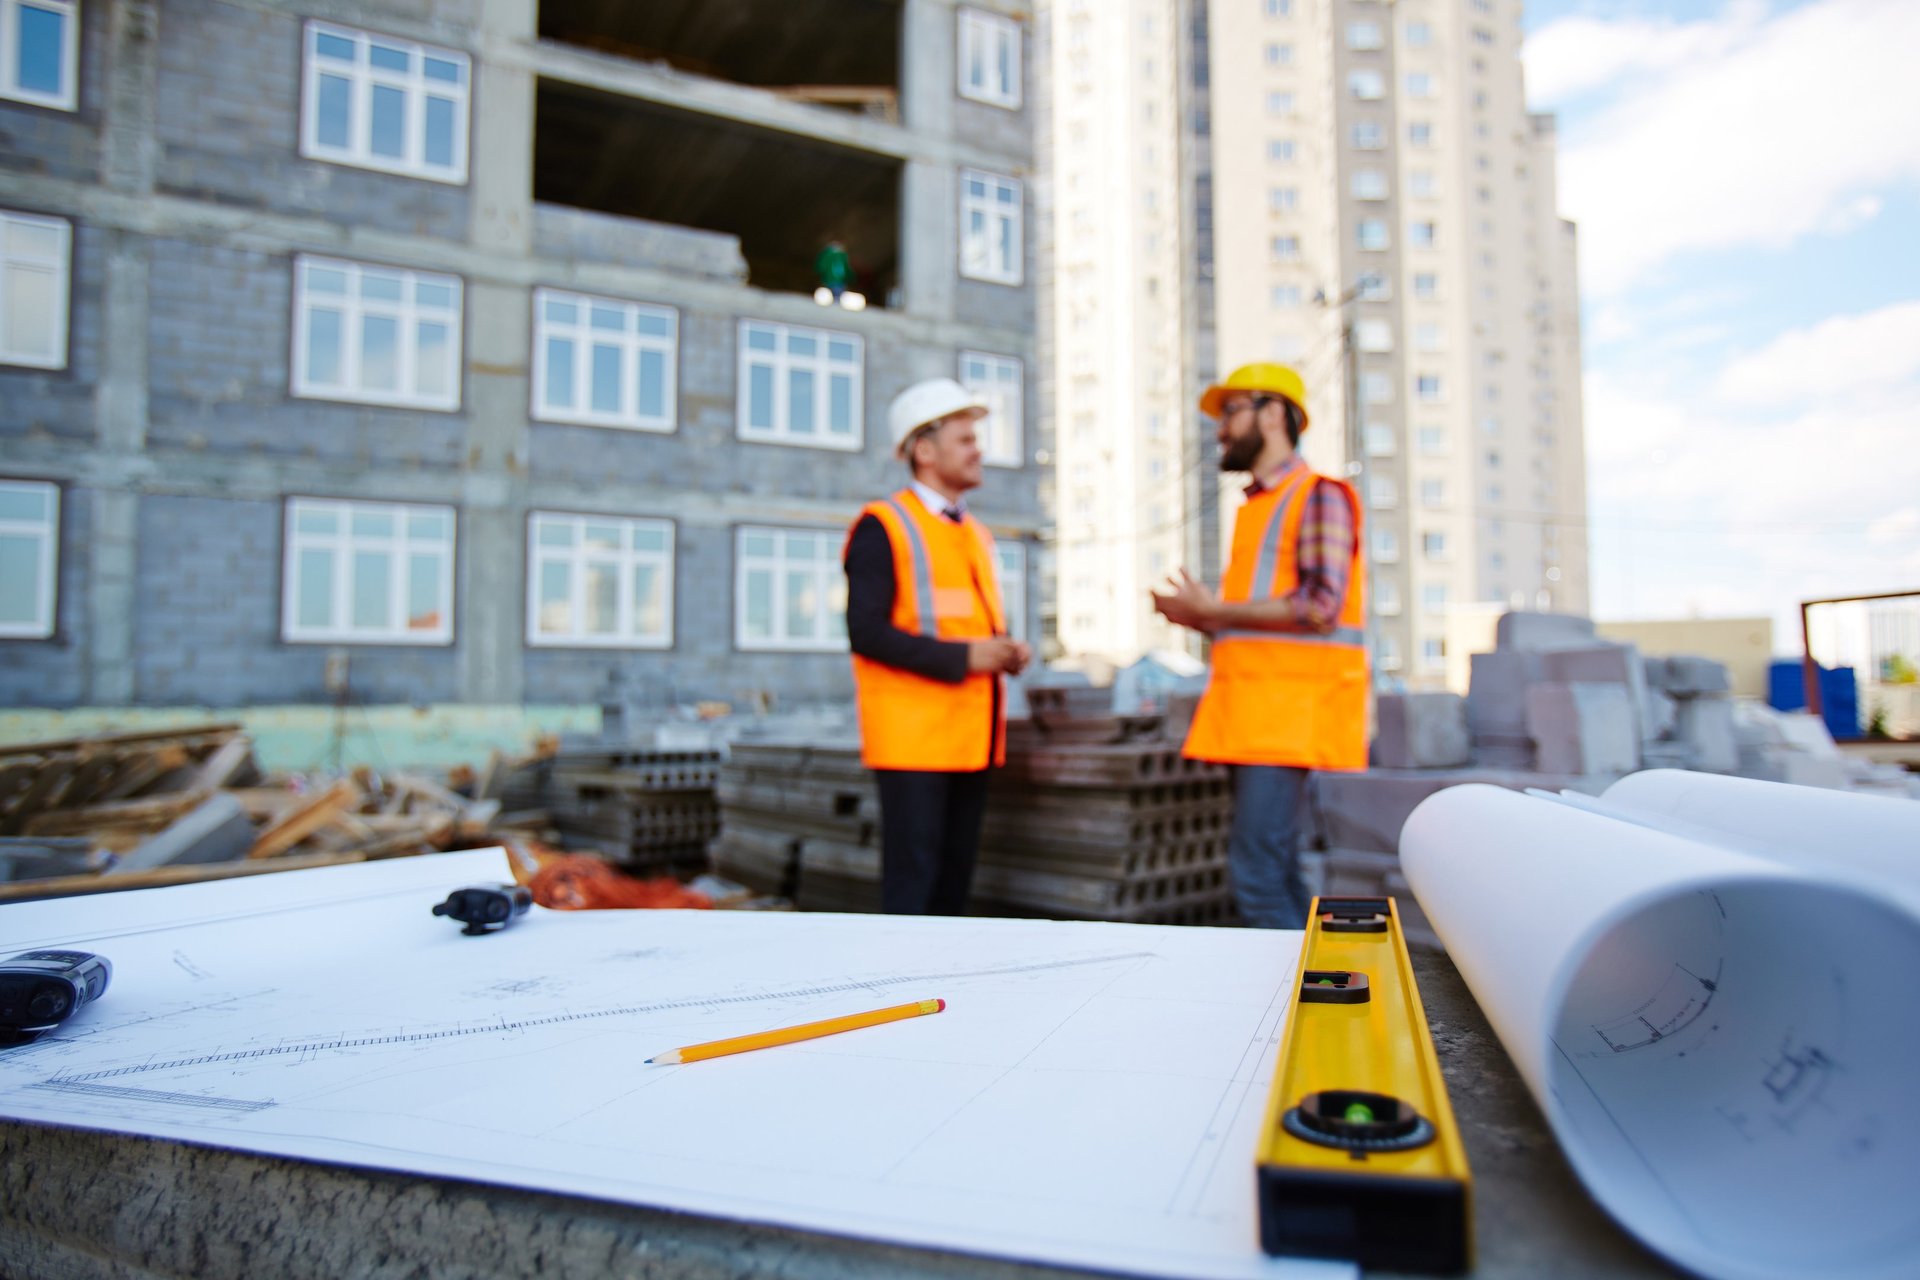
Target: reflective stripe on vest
(922, 571)
(1350, 637)
(1270, 543)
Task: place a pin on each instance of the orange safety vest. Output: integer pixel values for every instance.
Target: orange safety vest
(945, 586)
(1285, 697)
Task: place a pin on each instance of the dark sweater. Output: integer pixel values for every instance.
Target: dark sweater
(870, 630)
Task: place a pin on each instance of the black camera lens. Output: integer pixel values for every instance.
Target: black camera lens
(50, 1001)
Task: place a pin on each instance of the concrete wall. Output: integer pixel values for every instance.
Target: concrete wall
(1745, 645)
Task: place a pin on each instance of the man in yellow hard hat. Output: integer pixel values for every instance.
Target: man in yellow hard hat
(1288, 690)
(929, 637)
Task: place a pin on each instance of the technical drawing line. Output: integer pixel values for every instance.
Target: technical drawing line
(558, 1019)
(171, 1098)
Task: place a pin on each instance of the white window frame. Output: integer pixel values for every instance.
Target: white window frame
(1429, 389)
(984, 37)
(1010, 568)
(1369, 184)
(1365, 36)
(979, 253)
(46, 532)
(1433, 492)
(1382, 440)
(1423, 233)
(1433, 545)
(1366, 84)
(1382, 493)
(1285, 248)
(1388, 656)
(408, 313)
(1283, 199)
(1423, 184)
(1426, 295)
(1419, 35)
(1281, 150)
(578, 557)
(1280, 102)
(823, 364)
(344, 544)
(1369, 135)
(1287, 296)
(1420, 84)
(1372, 235)
(1376, 388)
(1386, 597)
(1001, 382)
(1373, 335)
(16, 263)
(630, 342)
(1433, 653)
(1433, 442)
(67, 97)
(1386, 546)
(829, 579)
(1373, 286)
(362, 77)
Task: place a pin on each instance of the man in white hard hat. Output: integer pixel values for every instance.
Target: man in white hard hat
(929, 637)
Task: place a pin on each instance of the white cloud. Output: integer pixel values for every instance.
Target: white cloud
(1846, 359)
(1741, 131)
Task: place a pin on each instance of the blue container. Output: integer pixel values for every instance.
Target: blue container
(1839, 695)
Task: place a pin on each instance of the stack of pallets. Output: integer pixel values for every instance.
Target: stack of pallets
(649, 809)
(1078, 826)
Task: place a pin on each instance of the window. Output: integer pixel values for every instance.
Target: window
(1369, 136)
(377, 335)
(1280, 150)
(1376, 388)
(1374, 336)
(1389, 652)
(35, 266)
(1433, 440)
(997, 380)
(1433, 597)
(1423, 232)
(599, 582)
(789, 591)
(1363, 35)
(1367, 85)
(1373, 287)
(1287, 296)
(40, 52)
(1382, 492)
(1369, 184)
(800, 386)
(1433, 545)
(1433, 653)
(1419, 35)
(1427, 337)
(1386, 597)
(1482, 36)
(1278, 55)
(1419, 134)
(29, 558)
(990, 240)
(367, 572)
(384, 104)
(1279, 104)
(602, 362)
(1283, 199)
(1433, 493)
(1419, 84)
(989, 58)
(1427, 387)
(1010, 561)
(1386, 546)
(1380, 440)
(1373, 233)
(1279, 8)
(1421, 184)
(1426, 286)
(1286, 248)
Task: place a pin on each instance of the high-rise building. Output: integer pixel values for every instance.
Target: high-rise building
(479, 338)
(1370, 201)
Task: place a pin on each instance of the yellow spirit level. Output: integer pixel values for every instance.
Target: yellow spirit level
(1360, 1157)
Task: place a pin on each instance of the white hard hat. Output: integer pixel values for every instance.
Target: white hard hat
(929, 401)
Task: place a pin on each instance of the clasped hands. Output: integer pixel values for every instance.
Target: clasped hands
(999, 654)
(1190, 604)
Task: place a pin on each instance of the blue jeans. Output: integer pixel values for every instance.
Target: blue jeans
(1264, 852)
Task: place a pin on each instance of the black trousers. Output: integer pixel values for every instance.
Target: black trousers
(929, 837)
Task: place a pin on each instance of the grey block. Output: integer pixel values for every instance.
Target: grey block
(217, 831)
(1705, 726)
(1497, 693)
(1665, 755)
(1658, 715)
(1541, 632)
(1583, 728)
(1691, 676)
(1503, 753)
(1603, 664)
(1421, 731)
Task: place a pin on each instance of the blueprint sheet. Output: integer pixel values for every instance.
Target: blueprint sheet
(1090, 1097)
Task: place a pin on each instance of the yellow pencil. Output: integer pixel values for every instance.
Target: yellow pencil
(805, 1031)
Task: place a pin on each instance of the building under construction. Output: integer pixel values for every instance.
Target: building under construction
(478, 343)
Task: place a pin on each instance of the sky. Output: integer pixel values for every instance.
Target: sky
(1745, 175)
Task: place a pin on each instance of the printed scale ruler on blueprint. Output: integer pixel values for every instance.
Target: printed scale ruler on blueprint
(1092, 1095)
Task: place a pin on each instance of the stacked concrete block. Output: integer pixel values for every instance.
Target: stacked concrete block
(1699, 733)
(1704, 728)
(1583, 728)
(1543, 632)
(1497, 707)
(1614, 664)
(1421, 731)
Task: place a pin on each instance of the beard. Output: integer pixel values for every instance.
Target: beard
(1239, 454)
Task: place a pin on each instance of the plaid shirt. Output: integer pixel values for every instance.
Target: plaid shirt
(1327, 545)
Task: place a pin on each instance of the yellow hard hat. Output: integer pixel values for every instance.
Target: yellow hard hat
(1262, 376)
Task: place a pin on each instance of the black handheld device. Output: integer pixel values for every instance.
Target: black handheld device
(41, 989)
(486, 908)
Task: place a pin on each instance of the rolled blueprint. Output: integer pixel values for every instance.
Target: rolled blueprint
(1725, 1045)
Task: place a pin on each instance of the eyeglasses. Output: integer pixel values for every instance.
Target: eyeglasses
(1231, 411)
